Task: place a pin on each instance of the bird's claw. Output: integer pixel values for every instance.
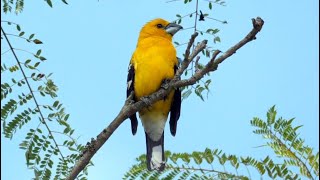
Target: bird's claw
(131, 101)
(165, 83)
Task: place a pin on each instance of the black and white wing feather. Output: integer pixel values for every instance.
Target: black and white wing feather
(130, 88)
(175, 109)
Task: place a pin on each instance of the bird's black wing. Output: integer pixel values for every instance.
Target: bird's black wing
(175, 109)
(130, 88)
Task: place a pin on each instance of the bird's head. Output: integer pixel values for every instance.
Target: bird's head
(159, 27)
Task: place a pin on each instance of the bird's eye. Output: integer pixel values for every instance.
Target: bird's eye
(159, 26)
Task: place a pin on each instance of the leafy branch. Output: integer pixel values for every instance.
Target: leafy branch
(18, 5)
(284, 140)
(129, 108)
(214, 164)
(30, 89)
(198, 17)
(40, 144)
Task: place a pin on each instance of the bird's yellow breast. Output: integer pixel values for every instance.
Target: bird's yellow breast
(154, 61)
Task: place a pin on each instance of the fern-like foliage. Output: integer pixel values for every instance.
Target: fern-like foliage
(8, 5)
(283, 138)
(28, 98)
(215, 164)
(18, 5)
(209, 164)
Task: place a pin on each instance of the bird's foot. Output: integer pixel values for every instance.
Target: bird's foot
(131, 101)
(165, 83)
(130, 98)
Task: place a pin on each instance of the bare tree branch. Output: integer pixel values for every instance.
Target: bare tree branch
(129, 108)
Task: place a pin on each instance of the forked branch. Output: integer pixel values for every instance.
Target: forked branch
(130, 107)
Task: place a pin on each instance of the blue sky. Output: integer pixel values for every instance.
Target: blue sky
(89, 44)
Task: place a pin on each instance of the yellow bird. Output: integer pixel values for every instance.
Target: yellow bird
(153, 62)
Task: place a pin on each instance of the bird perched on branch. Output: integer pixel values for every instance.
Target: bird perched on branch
(153, 62)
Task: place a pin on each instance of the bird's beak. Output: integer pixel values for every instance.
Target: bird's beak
(172, 28)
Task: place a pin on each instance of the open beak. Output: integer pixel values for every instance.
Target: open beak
(172, 28)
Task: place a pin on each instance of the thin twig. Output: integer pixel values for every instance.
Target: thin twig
(195, 30)
(24, 51)
(18, 36)
(181, 45)
(172, 1)
(207, 33)
(201, 169)
(5, 52)
(184, 16)
(224, 22)
(187, 28)
(57, 132)
(215, 2)
(301, 163)
(196, 18)
(9, 22)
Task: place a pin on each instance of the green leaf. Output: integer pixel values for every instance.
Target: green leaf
(37, 41)
(72, 149)
(27, 61)
(215, 31)
(210, 5)
(196, 157)
(38, 52)
(257, 122)
(64, 1)
(49, 3)
(36, 64)
(42, 58)
(31, 67)
(55, 104)
(186, 94)
(271, 115)
(296, 128)
(208, 155)
(185, 157)
(66, 130)
(27, 157)
(21, 33)
(18, 28)
(216, 39)
(31, 36)
(66, 117)
(207, 53)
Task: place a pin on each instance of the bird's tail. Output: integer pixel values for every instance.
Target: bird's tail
(155, 153)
